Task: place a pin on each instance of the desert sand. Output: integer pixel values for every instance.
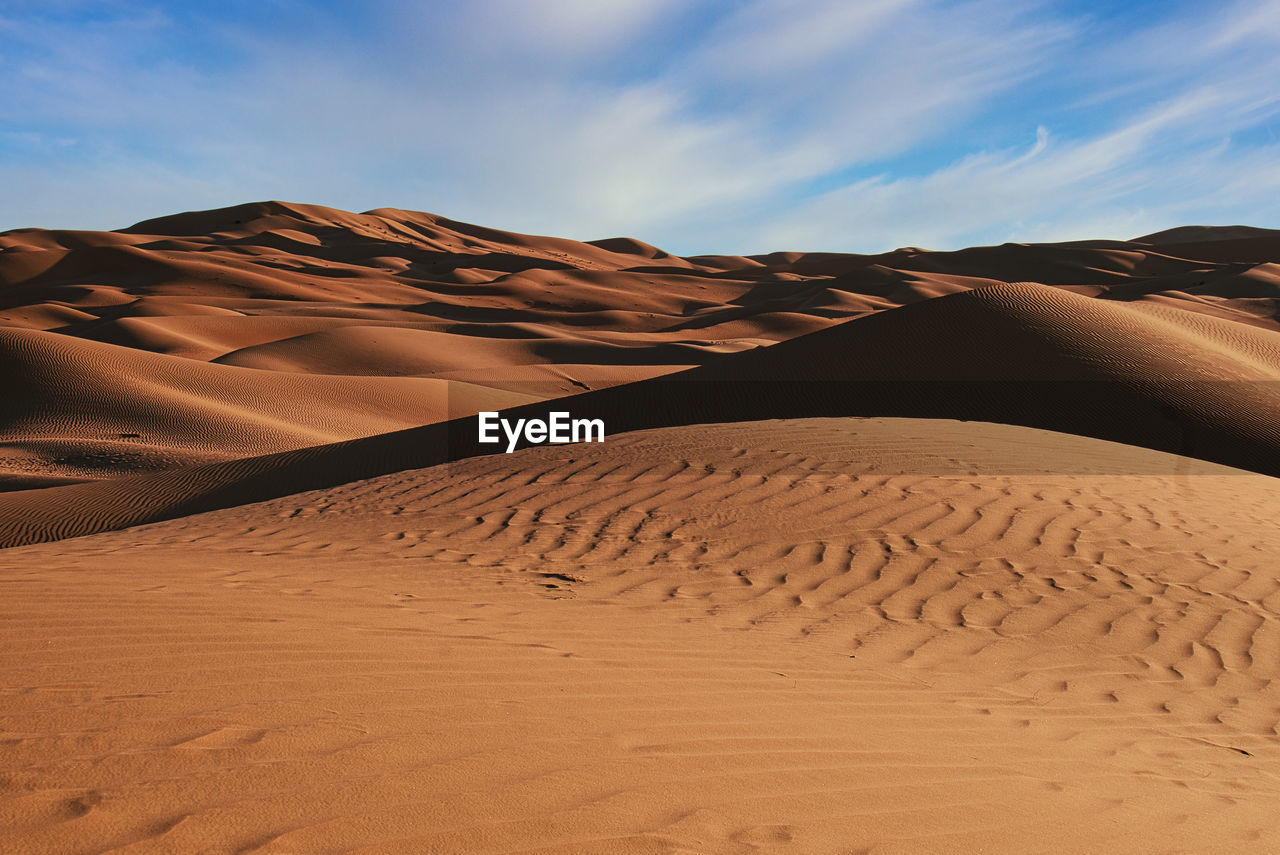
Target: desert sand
(919, 552)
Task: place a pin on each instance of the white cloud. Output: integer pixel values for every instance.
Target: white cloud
(519, 141)
(779, 37)
(867, 80)
(577, 118)
(557, 25)
(1100, 188)
(1247, 20)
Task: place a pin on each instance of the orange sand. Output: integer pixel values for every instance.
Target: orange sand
(714, 640)
(916, 552)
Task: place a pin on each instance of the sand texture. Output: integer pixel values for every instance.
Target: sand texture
(918, 552)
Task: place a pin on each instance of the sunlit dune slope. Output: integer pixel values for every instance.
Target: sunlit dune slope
(78, 407)
(784, 636)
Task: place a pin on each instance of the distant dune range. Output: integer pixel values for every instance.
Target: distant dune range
(159, 364)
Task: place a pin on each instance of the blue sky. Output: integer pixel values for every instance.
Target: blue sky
(744, 126)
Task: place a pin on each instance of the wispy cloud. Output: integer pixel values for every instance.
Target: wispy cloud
(702, 126)
(1169, 166)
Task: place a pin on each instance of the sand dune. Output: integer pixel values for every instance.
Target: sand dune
(304, 289)
(1149, 376)
(1155, 378)
(1201, 234)
(909, 552)
(92, 407)
(777, 637)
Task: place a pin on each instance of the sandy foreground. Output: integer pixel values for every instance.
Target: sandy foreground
(808, 635)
